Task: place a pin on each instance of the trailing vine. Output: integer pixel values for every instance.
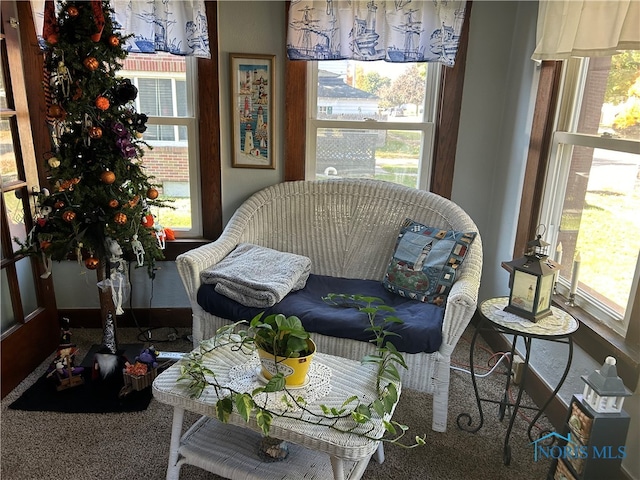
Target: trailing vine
(386, 358)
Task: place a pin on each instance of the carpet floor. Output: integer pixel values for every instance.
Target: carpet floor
(38, 445)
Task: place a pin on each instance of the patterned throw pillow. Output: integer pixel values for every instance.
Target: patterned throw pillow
(425, 262)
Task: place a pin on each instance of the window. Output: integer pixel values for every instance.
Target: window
(372, 120)
(166, 94)
(592, 192)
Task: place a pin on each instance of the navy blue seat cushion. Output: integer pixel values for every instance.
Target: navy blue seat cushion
(421, 330)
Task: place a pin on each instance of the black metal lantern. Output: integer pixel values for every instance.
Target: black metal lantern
(531, 282)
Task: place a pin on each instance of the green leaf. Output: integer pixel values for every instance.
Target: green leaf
(244, 405)
(224, 407)
(276, 383)
(388, 426)
(378, 407)
(263, 418)
(352, 398)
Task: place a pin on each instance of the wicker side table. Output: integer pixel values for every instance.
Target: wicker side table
(231, 449)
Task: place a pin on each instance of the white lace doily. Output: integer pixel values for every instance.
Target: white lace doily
(246, 377)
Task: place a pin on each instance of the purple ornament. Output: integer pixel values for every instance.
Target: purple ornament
(119, 129)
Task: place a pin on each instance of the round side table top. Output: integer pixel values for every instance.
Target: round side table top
(560, 324)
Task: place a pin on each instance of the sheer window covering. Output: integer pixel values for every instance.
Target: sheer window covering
(175, 26)
(576, 28)
(390, 30)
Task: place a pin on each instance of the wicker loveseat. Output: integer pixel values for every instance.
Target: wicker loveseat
(348, 228)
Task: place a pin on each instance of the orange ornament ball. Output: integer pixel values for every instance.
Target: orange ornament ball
(113, 203)
(69, 216)
(56, 111)
(107, 177)
(103, 103)
(114, 41)
(53, 38)
(72, 11)
(95, 132)
(91, 263)
(147, 221)
(58, 205)
(91, 63)
(152, 194)
(120, 218)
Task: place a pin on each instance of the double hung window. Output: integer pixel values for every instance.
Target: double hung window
(371, 120)
(592, 192)
(166, 94)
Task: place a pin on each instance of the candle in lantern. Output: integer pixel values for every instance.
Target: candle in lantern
(574, 274)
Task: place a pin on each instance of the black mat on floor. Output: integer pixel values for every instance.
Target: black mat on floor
(94, 396)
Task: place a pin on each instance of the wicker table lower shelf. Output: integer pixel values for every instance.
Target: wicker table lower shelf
(230, 449)
(233, 452)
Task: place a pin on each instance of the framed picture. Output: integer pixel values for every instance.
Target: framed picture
(253, 106)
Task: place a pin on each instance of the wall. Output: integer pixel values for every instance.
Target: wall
(500, 87)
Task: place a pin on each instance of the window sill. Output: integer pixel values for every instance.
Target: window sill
(599, 342)
(173, 248)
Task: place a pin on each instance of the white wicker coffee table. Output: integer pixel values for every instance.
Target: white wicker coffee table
(231, 449)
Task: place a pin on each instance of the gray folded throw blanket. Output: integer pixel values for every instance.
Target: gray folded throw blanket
(258, 276)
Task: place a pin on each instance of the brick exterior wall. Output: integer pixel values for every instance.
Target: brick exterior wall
(165, 163)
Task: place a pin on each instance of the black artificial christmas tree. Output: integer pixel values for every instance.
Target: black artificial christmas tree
(98, 204)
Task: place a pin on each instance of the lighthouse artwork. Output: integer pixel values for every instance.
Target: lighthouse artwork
(253, 110)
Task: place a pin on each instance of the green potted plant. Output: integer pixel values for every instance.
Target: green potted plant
(386, 358)
(284, 347)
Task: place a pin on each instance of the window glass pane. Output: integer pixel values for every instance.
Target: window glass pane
(391, 155)
(3, 91)
(27, 286)
(156, 97)
(8, 163)
(181, 98)
(15, 215)
(610, 104)
(7, 320)
(169, 164)
(600, 220)
(382, 91)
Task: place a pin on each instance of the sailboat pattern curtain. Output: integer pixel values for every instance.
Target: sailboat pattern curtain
(175, 26)
(391, 30)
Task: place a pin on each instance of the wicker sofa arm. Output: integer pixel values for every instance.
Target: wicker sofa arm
(463, 297)
(190, 264)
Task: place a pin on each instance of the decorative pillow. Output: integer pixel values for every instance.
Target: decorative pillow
(425, 262)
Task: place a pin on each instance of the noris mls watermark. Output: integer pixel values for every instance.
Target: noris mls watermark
(573, 449)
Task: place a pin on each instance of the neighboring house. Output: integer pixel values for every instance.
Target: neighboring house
(338, 100)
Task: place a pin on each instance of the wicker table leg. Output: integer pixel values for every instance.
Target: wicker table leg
(173, 469)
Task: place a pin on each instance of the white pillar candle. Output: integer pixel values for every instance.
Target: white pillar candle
(574, 274)
(558, 260)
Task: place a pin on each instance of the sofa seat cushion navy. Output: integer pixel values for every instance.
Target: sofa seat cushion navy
(421, 330)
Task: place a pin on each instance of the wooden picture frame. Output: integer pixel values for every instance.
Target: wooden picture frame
(253, 110)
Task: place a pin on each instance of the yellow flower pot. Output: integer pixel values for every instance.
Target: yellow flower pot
(295, 370)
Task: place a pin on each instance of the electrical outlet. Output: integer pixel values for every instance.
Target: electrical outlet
(517, 368)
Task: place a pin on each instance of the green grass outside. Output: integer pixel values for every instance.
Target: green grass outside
(609, 241)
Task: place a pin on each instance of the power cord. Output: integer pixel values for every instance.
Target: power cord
(144, 334)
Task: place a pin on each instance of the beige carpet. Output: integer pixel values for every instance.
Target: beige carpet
(131, 446)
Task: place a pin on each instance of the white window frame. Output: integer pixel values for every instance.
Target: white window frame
(427, 126)
(190, 121)
(564, 138)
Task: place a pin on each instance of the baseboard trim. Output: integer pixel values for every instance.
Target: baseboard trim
(535, 386)
(137, 317)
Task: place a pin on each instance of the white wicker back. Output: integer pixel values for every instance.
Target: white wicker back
(349, 229)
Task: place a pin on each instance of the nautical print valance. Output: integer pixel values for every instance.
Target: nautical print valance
(391, 30)
(175, 26)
